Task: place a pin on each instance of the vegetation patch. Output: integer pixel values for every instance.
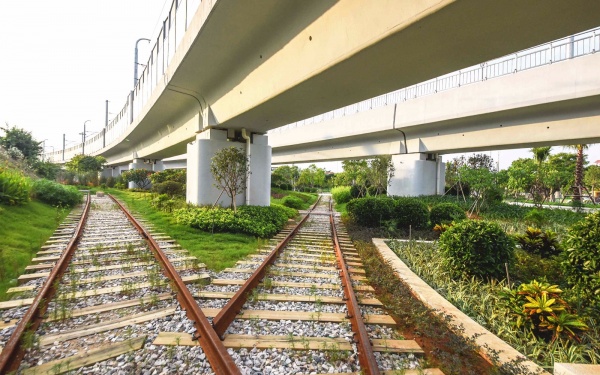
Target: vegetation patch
(217, 250)
(56, 194)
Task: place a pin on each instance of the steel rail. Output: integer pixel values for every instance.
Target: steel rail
(366, 357)
(13, 352)
(228, 313)
(216, 353)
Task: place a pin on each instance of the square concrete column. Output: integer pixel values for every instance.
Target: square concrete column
(200, 186)
(417, 174)
(158, 166)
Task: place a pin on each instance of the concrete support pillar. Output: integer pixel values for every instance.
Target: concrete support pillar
(107, 172)
(200, 184)
(137, 164)
(417, 174)
(158, 166)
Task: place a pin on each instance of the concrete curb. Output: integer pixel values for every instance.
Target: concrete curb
(488, 344)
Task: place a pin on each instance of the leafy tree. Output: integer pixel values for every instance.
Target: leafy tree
(380, 171)
(229, 168)
(46, 169)
(454, 168)
(21, 140)
(592, 176)
(357, 174)
(312, 177)
(140, 177)
(521, 175)
(561, 169)
(287, 175)
(85, 163)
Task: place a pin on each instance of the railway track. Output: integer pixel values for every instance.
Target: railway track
(301, 305)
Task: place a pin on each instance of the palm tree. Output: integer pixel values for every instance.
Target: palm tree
(578, 171)
(540, 154)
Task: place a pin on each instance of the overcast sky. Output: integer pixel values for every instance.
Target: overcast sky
(61, 59)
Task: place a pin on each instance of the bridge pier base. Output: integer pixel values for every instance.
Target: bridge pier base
(200, 186)
(417, 174)
(137, 164)
(158, 166)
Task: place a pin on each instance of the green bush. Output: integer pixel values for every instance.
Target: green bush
(254, 220)
(341, 194)
(581, 263)
(536, 218)
(14, 187)
(370, 211)
(445, 213)
(476, 248)
(177, 175)
(539, 242)
(56, 194)
(410, 212)
(293, 202)
(170, 188)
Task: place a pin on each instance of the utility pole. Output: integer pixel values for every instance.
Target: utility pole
(83, 138)
(63, 159)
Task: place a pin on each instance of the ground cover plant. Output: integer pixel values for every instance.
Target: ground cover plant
(486, 303)
(56, 194)
(295, 199)
(217, 250)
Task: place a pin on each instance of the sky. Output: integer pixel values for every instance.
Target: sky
(62, 59)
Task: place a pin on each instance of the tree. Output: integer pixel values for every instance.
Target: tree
(287, 175)
(357, 173)
(592, 176)
(578, 172)
(140, 177)
(312, 177)
(561, 169)
(23, 141)
(380, 171)
(85, 163)
(229, 168)
(521, 175)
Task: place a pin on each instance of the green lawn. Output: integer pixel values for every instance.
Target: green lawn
(23, 231)
(217, 251)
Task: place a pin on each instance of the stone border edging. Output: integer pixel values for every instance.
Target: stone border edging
(488, 344)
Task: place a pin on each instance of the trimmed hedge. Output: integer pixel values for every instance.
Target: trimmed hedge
(253, 220)
(476, 248)
(56, 194)
(410, 212)
(293, 202)
(445, 213)
(370, 211)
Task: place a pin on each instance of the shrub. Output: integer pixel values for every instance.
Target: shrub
(445, 213)
(536, 218)
(476, 248)
(341, 194)
(410, 212)
(539, 242)
(140, 177)
(581, 263)
(56, 194)
(177, 175)
(14, 187)
(538, 306)
(293, 202)
(254, 220)
(170, 188)
(370, 211)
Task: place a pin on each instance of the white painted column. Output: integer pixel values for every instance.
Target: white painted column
(137, 164)
(259, 179)
(107, 172)
(415, 175)
(158, 166)
(200, 186)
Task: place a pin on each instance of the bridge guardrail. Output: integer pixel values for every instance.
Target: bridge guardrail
(179, 18)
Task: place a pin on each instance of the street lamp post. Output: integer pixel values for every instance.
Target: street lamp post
(135, 62)
(83, 138)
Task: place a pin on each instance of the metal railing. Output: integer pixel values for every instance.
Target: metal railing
(577, 45)
(169, 37)
(182, 11)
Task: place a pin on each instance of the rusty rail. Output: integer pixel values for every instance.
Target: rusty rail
(234, 305)
(366, 357)
(216, 353)
(13, 353)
